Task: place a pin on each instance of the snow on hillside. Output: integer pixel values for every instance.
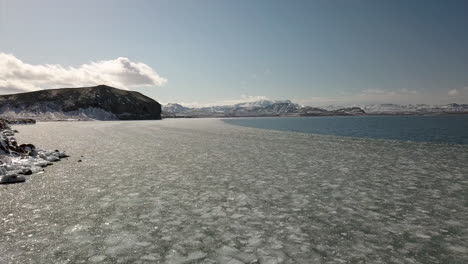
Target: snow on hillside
(50, 112)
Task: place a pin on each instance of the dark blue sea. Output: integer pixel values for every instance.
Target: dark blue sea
(438, 129)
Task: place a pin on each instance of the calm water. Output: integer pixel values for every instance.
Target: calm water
(440, 129)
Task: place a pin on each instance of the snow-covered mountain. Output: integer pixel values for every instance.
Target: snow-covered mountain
(175, 108)
(99, 102)
(415, 109)
(257, 108)
(288, 108)
(262, 103)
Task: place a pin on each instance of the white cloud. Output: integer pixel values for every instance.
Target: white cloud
(250, 98)
(244, 99)
(453, 92)
(17, 76)
(374, 91)
(319, 101)
(400, 96)
(367, 96)
(386, 93)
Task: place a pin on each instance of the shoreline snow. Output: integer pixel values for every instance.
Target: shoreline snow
(17, 161)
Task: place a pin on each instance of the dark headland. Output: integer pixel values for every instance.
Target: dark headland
(98, 102)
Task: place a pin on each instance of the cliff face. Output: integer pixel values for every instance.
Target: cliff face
(99, 102)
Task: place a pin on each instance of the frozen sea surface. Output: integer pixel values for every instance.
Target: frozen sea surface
(202, 191)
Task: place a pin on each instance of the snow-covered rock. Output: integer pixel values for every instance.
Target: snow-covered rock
(24, 159)
(50, 112)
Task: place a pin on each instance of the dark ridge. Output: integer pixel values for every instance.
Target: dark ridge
(125, 105)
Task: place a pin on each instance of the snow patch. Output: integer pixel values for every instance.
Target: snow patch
(52, 112)
(25, 159)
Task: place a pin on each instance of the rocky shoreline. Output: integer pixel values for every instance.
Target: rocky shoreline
(20, 160)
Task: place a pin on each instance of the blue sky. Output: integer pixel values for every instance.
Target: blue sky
(212, 51)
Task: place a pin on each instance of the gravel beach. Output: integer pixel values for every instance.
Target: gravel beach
(202, 191)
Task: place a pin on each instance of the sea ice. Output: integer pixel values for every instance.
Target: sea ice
(200, 191)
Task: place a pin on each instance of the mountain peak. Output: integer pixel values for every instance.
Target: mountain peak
(103, 87)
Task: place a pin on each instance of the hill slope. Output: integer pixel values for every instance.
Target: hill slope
(98, 102)
(256, 109)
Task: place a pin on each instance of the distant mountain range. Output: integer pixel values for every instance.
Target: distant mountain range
(258, 108)
(288, 108)
(416, 109)
(98, 102)
(107, 103)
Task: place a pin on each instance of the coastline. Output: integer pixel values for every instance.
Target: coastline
(20, 160)
(201, 190)
(263, 116)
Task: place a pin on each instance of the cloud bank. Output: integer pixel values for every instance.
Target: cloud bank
(244, 99)
(17, 76)
(453, 92)
(402, 96)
